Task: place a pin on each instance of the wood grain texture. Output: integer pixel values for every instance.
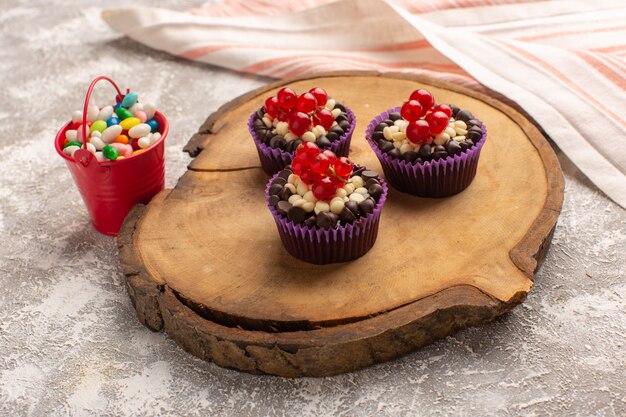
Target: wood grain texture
(224, 288)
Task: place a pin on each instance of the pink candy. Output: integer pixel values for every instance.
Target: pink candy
(124, 150)
(141, 116)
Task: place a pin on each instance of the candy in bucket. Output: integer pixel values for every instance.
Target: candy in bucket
(116, 162)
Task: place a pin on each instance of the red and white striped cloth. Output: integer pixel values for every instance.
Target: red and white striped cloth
(564, 62)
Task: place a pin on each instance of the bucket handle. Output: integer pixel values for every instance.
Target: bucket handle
(88, 98)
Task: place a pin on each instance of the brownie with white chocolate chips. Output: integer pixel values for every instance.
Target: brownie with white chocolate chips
(286, 120)
(343, 194)
(444, 131)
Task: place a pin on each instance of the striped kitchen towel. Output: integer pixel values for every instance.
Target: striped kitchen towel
(563, 62)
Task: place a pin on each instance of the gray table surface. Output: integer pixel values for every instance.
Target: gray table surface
(69, 339)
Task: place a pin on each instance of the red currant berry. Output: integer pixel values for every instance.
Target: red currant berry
(308, 176)
(320, 95)
(330, 155)
(438, 121)
(324, 189)
(324, 118)
(411, 110)
(343, 167)
(287, 98)
(283, 116)
(271, 106)
(307, 150)
(418, 131)
(423, 96)
(320, 164)
(306, 103)
(444, 108)
(297, 165)
(299, 123)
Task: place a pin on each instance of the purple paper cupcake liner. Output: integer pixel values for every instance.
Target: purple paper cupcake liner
(324, 246)
(274, 160)
(441, 178)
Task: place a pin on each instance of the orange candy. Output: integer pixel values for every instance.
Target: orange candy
(122, 139)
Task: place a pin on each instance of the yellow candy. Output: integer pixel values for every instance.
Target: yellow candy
(120, 157)
(138, 151)
(130, 122)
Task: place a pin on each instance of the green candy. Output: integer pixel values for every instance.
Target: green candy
(123, 113)
(72, 143)
(110, 152)
(98, 125)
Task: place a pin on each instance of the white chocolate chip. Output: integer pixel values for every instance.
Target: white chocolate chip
(394, 129)
(267, 121)
(290, 136)
(302, 188)
(460, 123)
(356, 197)
(292, 178)
(282, 128)
(300, 202)
(308, 137)
(293, 199)
(309, 196)
(321, 206)
(349, 188)
(459, 138)
(341, 193)
(357, 181)
(336, 112)
(460, 132)
(397, 144)
(387, 133)
(319, 130)
(398, 136)
(361, 190)
(441, 139)
(406, 148)
(309, 206)
(450, 131)
(337, 205)
(330, 104)
(291, 188)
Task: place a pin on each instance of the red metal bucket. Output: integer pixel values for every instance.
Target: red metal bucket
(110, 189)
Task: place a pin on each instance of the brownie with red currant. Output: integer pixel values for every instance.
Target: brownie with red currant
(422, 131)
(319, 189)
(288, 119)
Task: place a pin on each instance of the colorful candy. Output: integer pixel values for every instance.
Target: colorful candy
(115, 132)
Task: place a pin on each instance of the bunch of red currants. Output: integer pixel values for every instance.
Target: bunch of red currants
(300, 111)
(425, 119)
(321, 170)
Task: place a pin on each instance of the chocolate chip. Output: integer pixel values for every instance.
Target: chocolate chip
(375, 190)
(473, 123)
(395, 116)
(378, 136)
(357, 169)
(274, 200)
(368, 173)
(326, 219)
(366, 206)
(386, 146)
(455, 110)
(469, 142)
(419, 160)
(322, 142)
(474, 135)
(409, 156)
(341, 117)
(424, 152)
(280, 181)
(285, 173)
(340, 106)
(371, 182)
(439, 152)
(464, 115)
(296, 214)
(275, 189)
(453, 148)
(464, 145)
(265, 137)
(353, 207)
(258, 123)
(285, 194)
(345, 125)
(332, 136)
(283, 207)
(346, 216)
(337, 129)
(380, 127)
(311, 221)
(278, 142)
(388, 122)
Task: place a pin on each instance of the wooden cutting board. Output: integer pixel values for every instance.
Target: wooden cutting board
(204, 261)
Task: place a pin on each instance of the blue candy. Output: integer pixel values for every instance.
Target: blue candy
(154, 125)
(113, 121)
(130, 99)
